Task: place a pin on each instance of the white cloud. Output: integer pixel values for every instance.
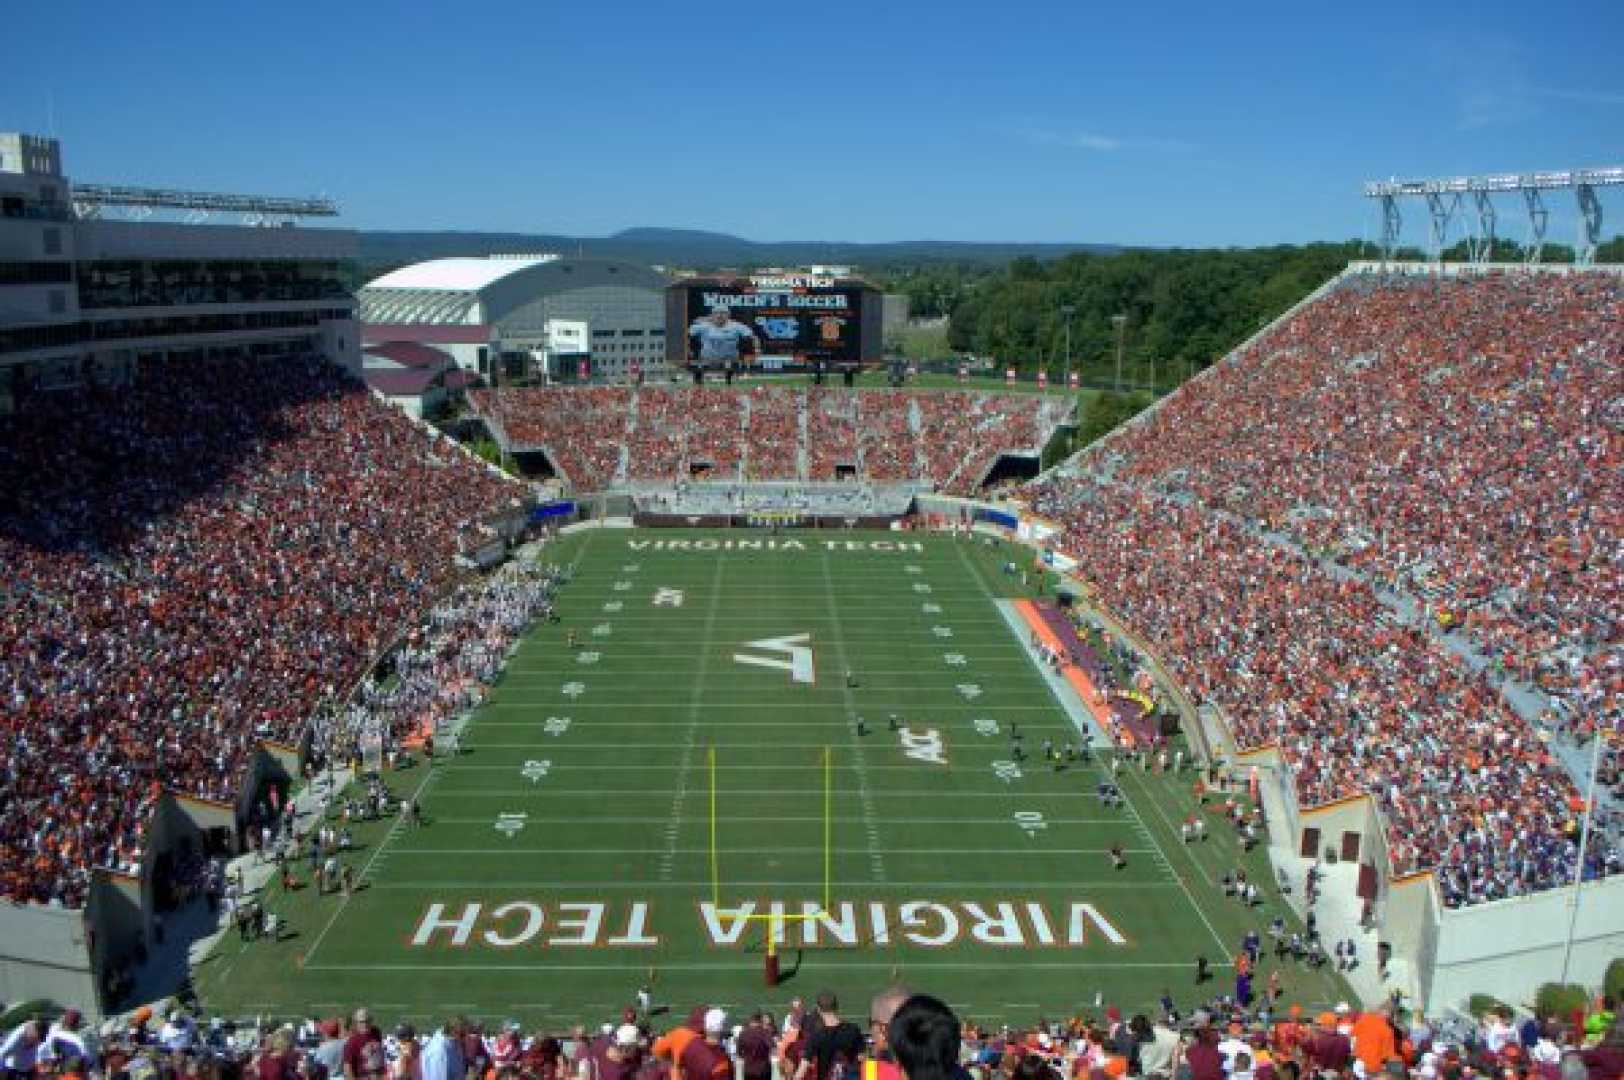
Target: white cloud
(1095, 142)
(1075, 140)
(1588, 97)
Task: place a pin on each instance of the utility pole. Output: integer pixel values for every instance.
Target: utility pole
(1068, 311)
(1584, 844)
(1120, 322)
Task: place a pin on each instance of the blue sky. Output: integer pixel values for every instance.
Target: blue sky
(1134, 123)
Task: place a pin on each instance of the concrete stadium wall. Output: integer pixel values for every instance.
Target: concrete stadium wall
(45, 953)
(1410, 924)
(1475, 954)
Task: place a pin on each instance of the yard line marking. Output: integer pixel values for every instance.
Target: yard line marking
(685, 765)
(1016, 852)
(1128, 802)
(388, 837)
(890, 793)
(545, 674)
(577, 819)
(774, 745)
(856, 767)
(753, 964)
(621, 706)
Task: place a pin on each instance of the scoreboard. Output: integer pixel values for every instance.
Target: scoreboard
(799, 320)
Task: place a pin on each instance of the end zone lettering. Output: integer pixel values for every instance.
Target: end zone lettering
(773, 544)
(852, 924)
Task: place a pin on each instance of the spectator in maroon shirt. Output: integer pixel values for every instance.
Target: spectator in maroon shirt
(1328, 1049)
(1606, 1061)
(755, 1047)
(356, 1055)
(1203, 1057)
(705, 1058)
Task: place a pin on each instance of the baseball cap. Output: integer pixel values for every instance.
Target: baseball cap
(715, 1022)
(628, 1035)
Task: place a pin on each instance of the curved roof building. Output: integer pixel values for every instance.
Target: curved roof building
(564, 310)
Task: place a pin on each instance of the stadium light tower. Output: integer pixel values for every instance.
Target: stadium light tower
(1121, 323)
(1068, 311)
(1443, 199)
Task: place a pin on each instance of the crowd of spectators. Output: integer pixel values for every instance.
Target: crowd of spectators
(446, 665)
(904, 1036)
(773, 436)
(188, 565)
(948, 439)
(831, 435)
(962, 433)
(1451, 429)
(1455, 439)
(714, 417)
(530, 417)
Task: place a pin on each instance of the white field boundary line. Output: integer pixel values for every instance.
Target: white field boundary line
(366, 868)
(394, 827)
(1077, 886)
(1133, 810)
(695, 702)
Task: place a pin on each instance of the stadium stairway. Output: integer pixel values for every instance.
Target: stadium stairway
(1338, 910)
(803, 462)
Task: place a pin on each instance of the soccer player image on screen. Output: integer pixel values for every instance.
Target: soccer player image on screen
(718, 339)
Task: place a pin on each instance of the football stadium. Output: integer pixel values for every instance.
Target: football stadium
(489, 661)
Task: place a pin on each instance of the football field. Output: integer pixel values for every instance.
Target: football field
(645, 806)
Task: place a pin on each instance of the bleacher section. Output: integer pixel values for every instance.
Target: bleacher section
(188, 566)
(1384, 536)
(946, 440)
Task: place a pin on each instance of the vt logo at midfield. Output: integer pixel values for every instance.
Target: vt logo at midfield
(793, 653)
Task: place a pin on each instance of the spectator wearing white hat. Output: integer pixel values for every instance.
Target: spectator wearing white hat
(705, 1058)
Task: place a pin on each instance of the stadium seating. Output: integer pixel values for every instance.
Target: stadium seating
(947, 440)
(1451, 442)
(187, 567)
(530, 417)
(1102, 1042)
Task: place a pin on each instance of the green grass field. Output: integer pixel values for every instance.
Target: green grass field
(566, 854)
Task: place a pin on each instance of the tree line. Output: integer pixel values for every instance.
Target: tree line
(1182, 309)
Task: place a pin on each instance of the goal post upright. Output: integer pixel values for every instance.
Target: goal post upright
(828, 827)
(715, 863)
(773, 921)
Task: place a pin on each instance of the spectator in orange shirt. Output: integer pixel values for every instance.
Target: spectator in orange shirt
(669, 1047)
(1373, 1041)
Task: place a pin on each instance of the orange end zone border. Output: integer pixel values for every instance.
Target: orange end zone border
(1079, 680)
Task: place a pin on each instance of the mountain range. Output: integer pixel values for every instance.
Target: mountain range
(698, 249)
